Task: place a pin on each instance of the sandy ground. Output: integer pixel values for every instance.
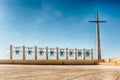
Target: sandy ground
(59, 72)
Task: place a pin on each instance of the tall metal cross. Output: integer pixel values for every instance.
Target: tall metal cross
(97, 21)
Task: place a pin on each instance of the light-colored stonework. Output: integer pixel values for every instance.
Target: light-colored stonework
(35, 50)
(46, 50)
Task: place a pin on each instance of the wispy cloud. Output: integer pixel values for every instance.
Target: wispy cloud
(49, 12)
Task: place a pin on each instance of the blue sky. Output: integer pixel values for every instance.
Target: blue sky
(62, 23)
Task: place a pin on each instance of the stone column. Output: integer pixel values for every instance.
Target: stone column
(10, 52)
(35, 52)
(75, 53)
(57, 56)
(84, 53)
(46, 53)
(23, 52)
(66, 53)
(91, 51)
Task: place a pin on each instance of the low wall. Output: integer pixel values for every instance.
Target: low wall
(51, 62)
(108, 63)
(111, 62)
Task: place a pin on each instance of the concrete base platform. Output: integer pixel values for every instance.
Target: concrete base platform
(59, 72)
(51, 62)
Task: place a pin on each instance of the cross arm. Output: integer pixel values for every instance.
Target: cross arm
(92, 21)
(97, 21)
(102, 21)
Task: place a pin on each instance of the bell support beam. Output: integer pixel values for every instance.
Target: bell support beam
(57, 57)
(75, 53)
(46, 53)
(11, 52)
(23, 52)
(35, 52)
(66, 53)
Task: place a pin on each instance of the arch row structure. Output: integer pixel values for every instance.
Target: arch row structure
(52, 56)
(55, 53)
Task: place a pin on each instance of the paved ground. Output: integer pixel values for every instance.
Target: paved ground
(59, 72)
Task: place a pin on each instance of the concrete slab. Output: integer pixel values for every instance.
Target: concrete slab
(59, 72)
